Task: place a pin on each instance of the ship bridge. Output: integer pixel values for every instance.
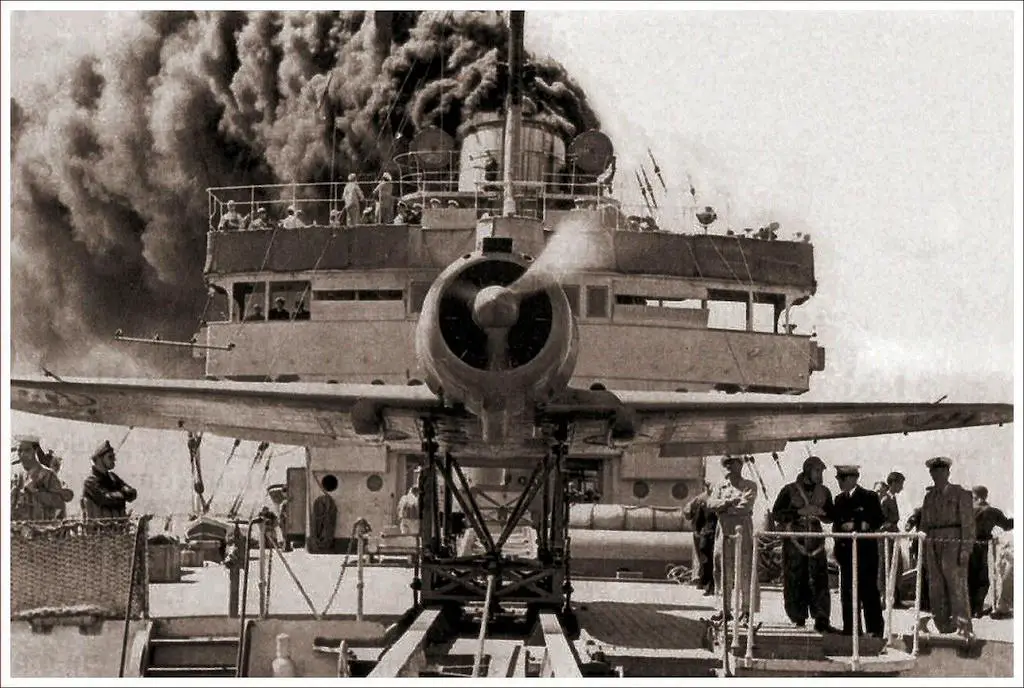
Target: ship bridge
(662, 302)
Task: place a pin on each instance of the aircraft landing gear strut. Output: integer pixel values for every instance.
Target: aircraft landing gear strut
(529, 563)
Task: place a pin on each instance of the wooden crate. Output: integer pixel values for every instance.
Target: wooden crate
(164, 563)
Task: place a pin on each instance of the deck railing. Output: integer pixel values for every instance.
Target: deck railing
(538, 199)
(891, 567)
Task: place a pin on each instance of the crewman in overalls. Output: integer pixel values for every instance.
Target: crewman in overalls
(801, 507)
(733, 500)
(947, 519)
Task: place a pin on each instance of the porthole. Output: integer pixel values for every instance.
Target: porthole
(641, 489)
(374, 483)
(679, 491)
(329, 483)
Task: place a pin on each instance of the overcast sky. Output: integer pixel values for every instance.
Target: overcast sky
(888, 136)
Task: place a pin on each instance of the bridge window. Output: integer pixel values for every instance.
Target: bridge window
(417, 294)
(295, 304)
(597, 302)
(249, 301)
(572, 293)
(358, 295)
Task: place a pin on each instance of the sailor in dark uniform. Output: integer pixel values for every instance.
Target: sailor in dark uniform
(858, 511)
(105, 494)
(801, 507)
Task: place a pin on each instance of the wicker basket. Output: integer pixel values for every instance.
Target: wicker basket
(62, 566)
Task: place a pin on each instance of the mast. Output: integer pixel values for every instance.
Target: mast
(513, 109)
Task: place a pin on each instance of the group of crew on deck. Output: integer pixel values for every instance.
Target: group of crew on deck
(382, 208)
(955, 551)
(38, 493)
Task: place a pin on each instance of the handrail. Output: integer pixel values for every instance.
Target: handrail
(131, 594)
(889, 574)
(245, 592)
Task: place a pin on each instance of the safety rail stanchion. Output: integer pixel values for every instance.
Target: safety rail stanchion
(920, 537)
(360, 551)
(737, 600)
(725, 609)
(855, 605)
(891, 572)
(755, 549)
(263, 570)
(917, 593)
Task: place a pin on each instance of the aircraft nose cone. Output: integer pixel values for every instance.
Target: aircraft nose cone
(495, 307)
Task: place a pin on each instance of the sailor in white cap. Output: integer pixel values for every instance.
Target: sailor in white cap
(733, 501)
(260, 221)
(858, 510)
(802, 506)
(37, 494)
(105, 494)
(231, 219)
(947, 517)
(294, 219)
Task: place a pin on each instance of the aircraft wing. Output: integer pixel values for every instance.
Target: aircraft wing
(321, 414)
(306, 414)
(687, 427)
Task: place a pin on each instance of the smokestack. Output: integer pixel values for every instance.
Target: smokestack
(513, 108)
(112, 152)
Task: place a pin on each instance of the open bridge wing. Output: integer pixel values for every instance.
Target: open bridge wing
(307, 414)
(683, 426)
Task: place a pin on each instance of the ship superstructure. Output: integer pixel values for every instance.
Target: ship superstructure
(680, 308)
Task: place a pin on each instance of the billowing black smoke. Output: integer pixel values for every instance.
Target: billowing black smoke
(110, 161)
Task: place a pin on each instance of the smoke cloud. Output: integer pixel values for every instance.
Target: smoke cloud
(111, 157)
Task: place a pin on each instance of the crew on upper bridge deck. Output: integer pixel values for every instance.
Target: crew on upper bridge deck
(353, 198)
(261, 221)
(293, 220)
(334, 220)
(383, 194)
(231, 219)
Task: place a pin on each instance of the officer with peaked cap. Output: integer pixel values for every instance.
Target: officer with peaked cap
(858, 510)
(733, 501)
(947, 518)
(37, 494)
(801, 507)
(105, 494)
